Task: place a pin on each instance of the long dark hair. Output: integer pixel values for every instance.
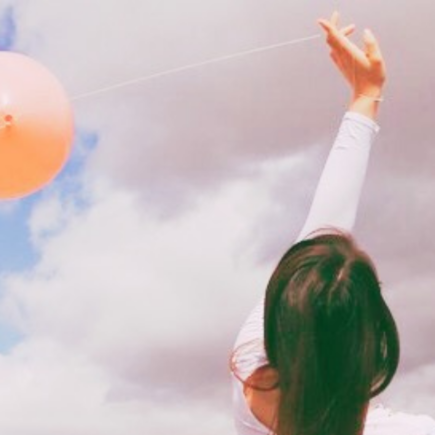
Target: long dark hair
(329, 335)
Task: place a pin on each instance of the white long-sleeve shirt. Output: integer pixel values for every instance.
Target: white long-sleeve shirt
(335, 205)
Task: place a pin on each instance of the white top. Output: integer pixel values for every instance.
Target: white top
(335, 204)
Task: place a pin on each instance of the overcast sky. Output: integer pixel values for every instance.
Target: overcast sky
(124, 282)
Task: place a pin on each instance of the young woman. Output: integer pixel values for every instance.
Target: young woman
(323, 342)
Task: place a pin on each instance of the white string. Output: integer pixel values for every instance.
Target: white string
(194, 65)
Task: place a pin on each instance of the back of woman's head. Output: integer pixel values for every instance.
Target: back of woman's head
(329, 335)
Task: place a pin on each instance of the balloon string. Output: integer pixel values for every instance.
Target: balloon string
(194, 65)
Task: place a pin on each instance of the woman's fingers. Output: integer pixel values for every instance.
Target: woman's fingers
(325, 24)
(334, 18)
(333, 23)
(339, 41)
(348, 30)
(374, 55)
(372, 49)
(364, 68)
(331, 32)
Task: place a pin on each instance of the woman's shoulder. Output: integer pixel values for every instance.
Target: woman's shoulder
(247, 358)
(263, 402)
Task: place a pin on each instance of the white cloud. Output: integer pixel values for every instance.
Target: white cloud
(139, 301)
(123, 313)
(171, 137)
(138, 313)
(412, 392)
(48, 388)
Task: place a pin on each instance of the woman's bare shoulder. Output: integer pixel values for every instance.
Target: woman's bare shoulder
(262, 401)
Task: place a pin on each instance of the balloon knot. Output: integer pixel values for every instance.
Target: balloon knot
(6, 121)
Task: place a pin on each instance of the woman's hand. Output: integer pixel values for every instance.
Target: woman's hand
(364, 70)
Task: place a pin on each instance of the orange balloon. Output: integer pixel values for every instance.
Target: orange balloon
(36, 126)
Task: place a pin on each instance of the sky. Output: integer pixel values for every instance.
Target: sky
(124, 282)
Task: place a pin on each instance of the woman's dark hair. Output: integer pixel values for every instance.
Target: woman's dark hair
(329, 336)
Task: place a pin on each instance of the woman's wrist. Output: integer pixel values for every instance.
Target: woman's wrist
(366, 103)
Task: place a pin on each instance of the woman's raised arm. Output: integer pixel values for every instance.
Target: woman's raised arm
(337, 196)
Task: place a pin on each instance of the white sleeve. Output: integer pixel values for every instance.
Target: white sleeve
(337, 195)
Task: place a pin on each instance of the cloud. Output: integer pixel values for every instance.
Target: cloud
(59, 390)
(420, 383)
(192, 188)
(188, 132)
(145, 310)
(149, 306)
(198, 128)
